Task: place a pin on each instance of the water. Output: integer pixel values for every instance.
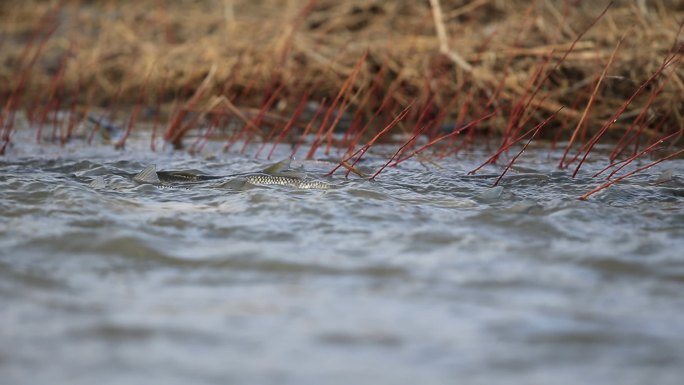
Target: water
(424, 276)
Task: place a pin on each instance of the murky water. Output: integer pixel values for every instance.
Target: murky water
(423, 276)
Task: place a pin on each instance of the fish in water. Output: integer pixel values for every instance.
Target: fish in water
(273, 175)
(267, 179)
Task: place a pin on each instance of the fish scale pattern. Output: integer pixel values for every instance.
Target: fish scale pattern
(286, 181)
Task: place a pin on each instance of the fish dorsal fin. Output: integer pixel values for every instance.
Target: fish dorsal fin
(491, 194)
(665, 176)
(148, 175)
(278, 167)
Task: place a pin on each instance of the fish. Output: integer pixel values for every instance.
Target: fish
(299, 183)
(150, 175)
(271, 176)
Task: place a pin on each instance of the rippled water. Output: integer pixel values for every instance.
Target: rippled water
(423, 276)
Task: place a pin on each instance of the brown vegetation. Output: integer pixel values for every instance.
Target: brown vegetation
(585, 69)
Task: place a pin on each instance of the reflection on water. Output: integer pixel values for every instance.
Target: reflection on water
(424, 276)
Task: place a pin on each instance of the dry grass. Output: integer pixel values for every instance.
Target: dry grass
(459, 58)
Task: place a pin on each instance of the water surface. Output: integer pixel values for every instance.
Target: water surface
(424, 276)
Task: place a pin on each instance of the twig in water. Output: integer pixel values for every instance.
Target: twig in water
(673, 60)
(612, 182)
(360, 152)
(439, 139)
(536, 131)
(585, 114)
